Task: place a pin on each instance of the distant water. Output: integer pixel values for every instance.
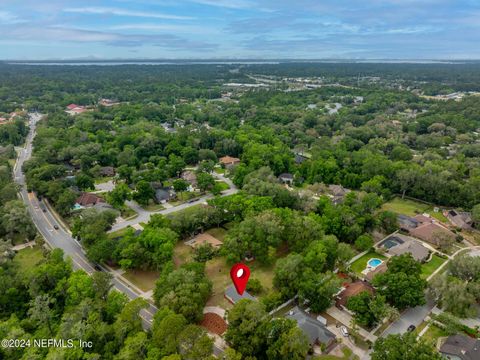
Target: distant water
(110, 63)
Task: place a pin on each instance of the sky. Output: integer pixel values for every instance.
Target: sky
(234, 29)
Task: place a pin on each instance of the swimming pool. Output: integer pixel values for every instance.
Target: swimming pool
(373, 263)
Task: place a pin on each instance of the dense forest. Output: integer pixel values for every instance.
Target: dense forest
(373, 130)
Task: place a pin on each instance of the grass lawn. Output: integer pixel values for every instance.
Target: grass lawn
(28, 258)
(218, 271)
(412, 208)
(223, 185)
(145, 280)
(119, 233)
(360, 264)
(127, 212)
(429, 267)
(218, 233)
(433, 333)
(102, 180)
(219, 170)
(152, 206)
(347, 355)
(182, 254)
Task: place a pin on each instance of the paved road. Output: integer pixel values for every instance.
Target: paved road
(144, 216)
(412, 316)
(61, 238)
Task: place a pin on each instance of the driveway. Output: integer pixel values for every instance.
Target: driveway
(413, 316)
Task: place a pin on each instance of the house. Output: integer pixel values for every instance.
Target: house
(233, 296)
(163, 195)
(190, 177)
(350, 290)
(461, 347)
(229, 162)
(398, 244)
(316, 332)
(415, 248)
(107, 171)
(74, 109)
(406, 222)
(430, 232)
(380, 269)
(286, 178)
(338, 193)
(88, 200)
(204, 238)
(108, 102)
(462, 220)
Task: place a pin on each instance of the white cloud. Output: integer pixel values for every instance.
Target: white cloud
(125, 12)
(231, 4)
(7, 17)
(189, 29)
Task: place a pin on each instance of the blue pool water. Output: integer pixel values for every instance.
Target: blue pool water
(374, 262)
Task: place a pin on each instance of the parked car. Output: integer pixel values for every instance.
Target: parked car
(55, 227)
(344, 330)
(411, 328)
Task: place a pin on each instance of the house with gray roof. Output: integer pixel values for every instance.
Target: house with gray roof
(233, 296)
(461, 347)
(316, 332)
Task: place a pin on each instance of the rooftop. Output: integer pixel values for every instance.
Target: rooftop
(461, 347)
(233, 296)
(314, 329)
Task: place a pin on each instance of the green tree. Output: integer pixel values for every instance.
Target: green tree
(405, 347)
(318, 289)
(144, 192)
(117, 196)
(205, 181)
(180, 185)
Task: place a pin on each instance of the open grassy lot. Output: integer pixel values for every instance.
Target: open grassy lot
(412, 208)
(145, 280)
(218, 233)
(360, 264)
(219, 170)
(28, 258)
(429, 267)
(128, 213)
(218, 271)
(182, 254)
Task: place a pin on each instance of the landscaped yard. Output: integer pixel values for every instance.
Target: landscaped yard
(429, 267)
(119, 233)
(153, 206)
(412, 208)
(347, 355)
(433, 333)
(145, 280)
(223, 185)
(28, 258)
(360, 264)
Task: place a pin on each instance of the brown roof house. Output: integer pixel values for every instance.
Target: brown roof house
(461, 347)
(229, 162)
(432, 233)
(350, 290)
(462, 220)
(380, 269)
(88, 200)
(202, 239)
(338, 193)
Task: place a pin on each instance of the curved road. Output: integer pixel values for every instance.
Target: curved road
(45, 222)
(61, 238)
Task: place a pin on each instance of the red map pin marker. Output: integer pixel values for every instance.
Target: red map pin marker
(240, 274)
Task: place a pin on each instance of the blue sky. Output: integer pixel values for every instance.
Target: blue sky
(309, 29)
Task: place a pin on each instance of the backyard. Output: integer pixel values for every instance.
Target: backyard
(360, 264)
(429, 267)
(412, 208)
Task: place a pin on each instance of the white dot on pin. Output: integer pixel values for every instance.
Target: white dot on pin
(240, 273)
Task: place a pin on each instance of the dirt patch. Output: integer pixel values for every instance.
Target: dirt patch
(214, 323)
